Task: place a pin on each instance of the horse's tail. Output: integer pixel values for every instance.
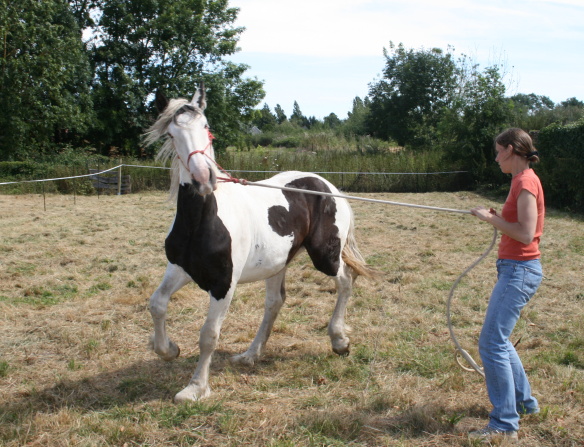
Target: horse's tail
(353, 257)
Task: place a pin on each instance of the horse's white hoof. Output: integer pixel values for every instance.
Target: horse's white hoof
(243, 359)
(171, 353)
(192, 393)
(342, 347)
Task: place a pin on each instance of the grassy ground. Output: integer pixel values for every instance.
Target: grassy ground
(75, 369)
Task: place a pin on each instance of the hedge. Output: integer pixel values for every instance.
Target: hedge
(562, 167)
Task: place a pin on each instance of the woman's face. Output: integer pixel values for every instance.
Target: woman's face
(504, 156)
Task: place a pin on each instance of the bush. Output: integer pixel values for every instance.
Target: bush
(561, 170)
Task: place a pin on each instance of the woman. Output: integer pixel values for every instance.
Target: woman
(518, 277)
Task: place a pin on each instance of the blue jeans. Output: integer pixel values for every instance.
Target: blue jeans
(507, 384)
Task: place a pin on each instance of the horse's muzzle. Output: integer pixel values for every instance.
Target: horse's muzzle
(205, 188)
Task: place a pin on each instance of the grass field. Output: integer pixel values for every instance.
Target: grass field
(74, 324)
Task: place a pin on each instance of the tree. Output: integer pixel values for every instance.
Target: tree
(534, 112)
(264, 119)
(477, 114)
(44, 77)
(416, 89)
(230, 103)
(572, 102)
(356, 122)
(332, 121)
(170, 45)
(298, 117)
(532, 103)
(280, 115)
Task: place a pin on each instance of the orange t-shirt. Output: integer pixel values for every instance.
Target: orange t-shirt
(510, 248)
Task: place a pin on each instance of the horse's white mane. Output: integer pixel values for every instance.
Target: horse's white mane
(157, 132)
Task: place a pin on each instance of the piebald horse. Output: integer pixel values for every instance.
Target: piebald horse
(227, 233)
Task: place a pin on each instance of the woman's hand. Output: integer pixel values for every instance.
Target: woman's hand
(483, 214)
(524, 229)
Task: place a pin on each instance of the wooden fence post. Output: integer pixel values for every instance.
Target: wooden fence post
(120, 179)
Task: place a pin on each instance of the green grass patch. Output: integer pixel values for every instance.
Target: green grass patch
(4, 367)
(40, 296)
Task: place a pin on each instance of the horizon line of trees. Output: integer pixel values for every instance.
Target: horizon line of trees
(420, 90)
(82, 73)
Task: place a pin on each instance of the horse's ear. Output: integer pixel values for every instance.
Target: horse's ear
(200, 97)
(161, 101)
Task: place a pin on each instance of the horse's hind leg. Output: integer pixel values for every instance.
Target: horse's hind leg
(336, 329)
(275, 297)
(198, 387)
(174, 279)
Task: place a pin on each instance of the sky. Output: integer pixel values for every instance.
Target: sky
(324, 53)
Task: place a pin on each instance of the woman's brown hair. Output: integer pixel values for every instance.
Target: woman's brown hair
(520, 141)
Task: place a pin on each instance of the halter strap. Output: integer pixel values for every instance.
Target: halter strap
(229, 177)
(211, 138)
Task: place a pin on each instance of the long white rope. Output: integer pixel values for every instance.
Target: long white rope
(459, 348)
(362, 199)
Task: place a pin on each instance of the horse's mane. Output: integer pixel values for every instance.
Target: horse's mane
(157, 132)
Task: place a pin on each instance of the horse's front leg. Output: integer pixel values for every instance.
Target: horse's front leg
(337, 329)
(174, 279)
(198, 387)
(275, 297)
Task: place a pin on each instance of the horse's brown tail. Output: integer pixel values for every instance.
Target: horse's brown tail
(354, 259)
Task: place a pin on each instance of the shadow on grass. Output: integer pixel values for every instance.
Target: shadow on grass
(144, 381)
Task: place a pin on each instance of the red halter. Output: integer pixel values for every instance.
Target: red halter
(229, 177)
(211, 138)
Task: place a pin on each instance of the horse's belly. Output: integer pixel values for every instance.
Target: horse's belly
(265, 260)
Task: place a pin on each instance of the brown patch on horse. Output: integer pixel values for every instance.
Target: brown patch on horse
(311, 220)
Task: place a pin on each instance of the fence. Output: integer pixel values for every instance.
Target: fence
(136, 178)
(111, 182)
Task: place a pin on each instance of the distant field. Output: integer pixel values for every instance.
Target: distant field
(74, 324)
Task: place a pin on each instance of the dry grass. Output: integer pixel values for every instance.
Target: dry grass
(75, 369)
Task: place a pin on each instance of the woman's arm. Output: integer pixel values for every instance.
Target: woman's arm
(524, 229)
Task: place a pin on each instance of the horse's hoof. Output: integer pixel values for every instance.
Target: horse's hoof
(242, 359)
(344, 351)
(192, 393)
(172, 353)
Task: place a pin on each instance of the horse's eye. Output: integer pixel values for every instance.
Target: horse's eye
(169, 135)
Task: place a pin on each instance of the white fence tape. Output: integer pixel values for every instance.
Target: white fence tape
(61, 178)
(228, 170)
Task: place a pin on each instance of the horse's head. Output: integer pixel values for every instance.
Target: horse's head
(189, 133)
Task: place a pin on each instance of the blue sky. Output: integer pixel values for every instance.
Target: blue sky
(323, 53)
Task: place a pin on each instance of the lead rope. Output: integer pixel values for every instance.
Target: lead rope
(459, 348)
(462, 352)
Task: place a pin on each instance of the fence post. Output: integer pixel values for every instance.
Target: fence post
(74, 186)
(120, 179)
(98, 171)
(44, 198)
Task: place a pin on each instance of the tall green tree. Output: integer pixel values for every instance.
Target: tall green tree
(280, 114)
(298, 117)
(477, 114)
(264, 119)
(172, 45)
(356, 122)
(332, 121)
(416, 88)
(44, 77)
